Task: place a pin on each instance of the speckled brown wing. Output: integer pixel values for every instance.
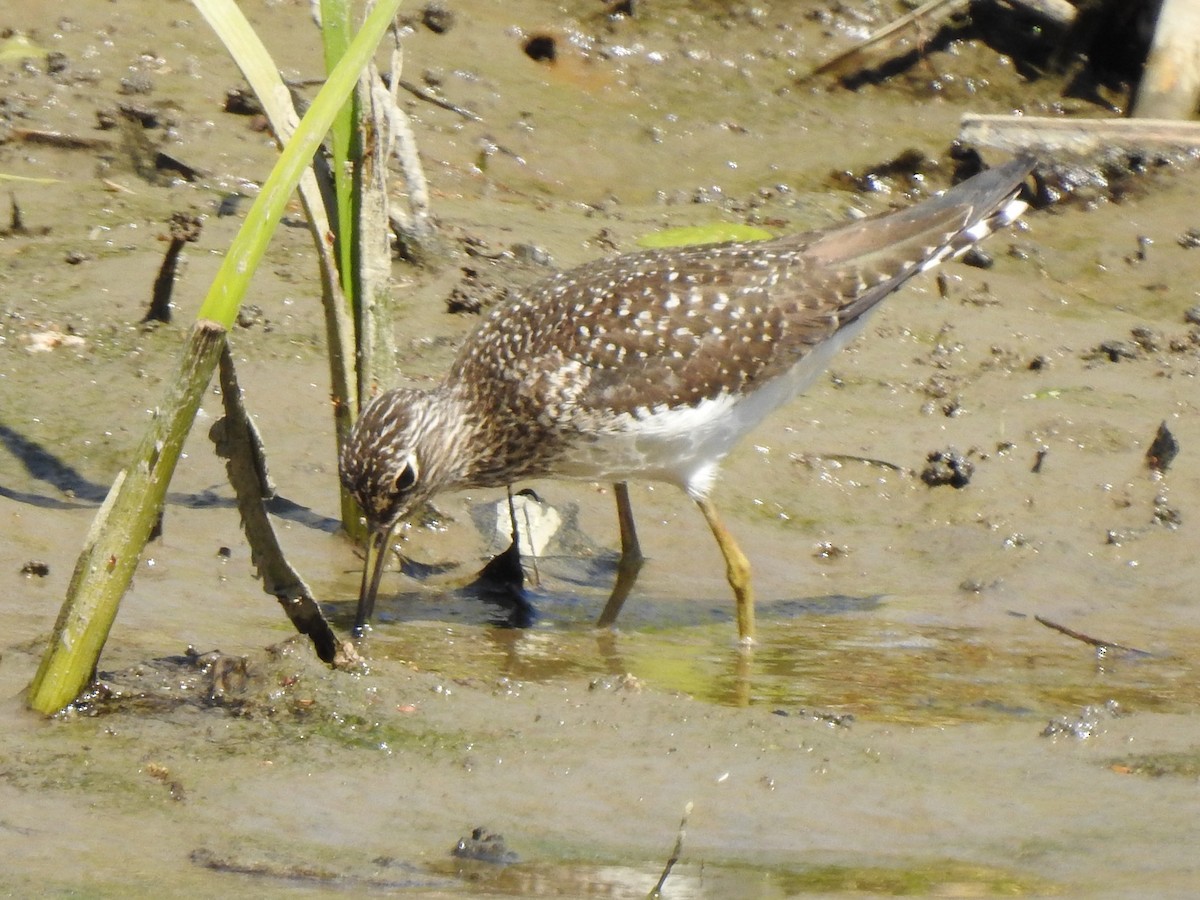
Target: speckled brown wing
(662, 329)
(641, 331)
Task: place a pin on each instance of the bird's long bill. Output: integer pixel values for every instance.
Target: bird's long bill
(373, 566)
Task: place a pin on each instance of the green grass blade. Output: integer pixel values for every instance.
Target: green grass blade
(119, 534)
(232, 281)
(335, 33)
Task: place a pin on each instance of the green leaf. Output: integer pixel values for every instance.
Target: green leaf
(717, 232)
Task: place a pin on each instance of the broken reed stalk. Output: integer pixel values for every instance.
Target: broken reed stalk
(373, 243)
(238, 443)
(120, 530)
(122, 527)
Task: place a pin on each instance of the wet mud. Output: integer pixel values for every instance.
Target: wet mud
(908, 724)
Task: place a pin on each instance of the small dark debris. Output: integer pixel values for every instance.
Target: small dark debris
(1166, 515)
(541, 48)
(708, 194)
(483, 846)
(227, 677)
(143, 115)
(952, 408)
(224, 552)
(1147, 338)
(901, 172)
(1113, 351)
(836, 720)
(185, 227)
(1038, 363)
(617, 9)
(241, 102)
(1192, 315)
(474, 292)
(1113, 174)
(978, 585)
(166, 163)
(829, 551)
(251, 314)
(1190, 239)
(75, 257)
(35, 568)
(1038, 459)
(947, 467)
(531, 253)
(478, 247)
(460, 301)
(1163, 449)
(57, 62)
(1143, 248)
(1184, 343)
(976, 258)
(1022, 252)
(606, 240)
(229, 205)
(628, 684)
(437, 18)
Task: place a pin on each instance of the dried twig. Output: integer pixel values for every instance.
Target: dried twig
(1082, 136)
(1098, 643)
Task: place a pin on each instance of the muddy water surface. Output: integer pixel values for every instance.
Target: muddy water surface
(904, 726)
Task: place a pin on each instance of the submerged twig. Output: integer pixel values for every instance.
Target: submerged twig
(60, 139)
(1098, 643)
(421, 94)
(865, 460)
(676, 852)
(935, 10)
(925, 19)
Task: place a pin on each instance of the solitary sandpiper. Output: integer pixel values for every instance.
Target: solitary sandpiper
(650, 365)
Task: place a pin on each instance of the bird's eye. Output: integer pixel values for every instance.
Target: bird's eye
(406, 477)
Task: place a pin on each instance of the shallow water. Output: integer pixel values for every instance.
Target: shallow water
(905, 725)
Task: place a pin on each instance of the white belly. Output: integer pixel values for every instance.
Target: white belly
(684, 446)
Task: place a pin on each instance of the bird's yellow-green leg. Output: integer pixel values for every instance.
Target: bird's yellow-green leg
(737, 570)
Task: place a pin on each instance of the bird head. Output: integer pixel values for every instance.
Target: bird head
(387, 468)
